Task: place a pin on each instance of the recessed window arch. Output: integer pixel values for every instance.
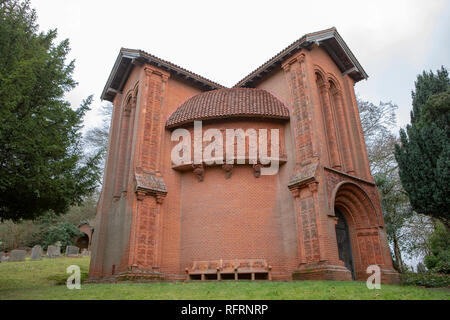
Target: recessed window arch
(328, 120)
(125, 141)
(343, 138)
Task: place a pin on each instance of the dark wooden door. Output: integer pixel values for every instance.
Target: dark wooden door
(343, 241)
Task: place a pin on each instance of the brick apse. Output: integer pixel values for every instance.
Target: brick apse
(319, 217)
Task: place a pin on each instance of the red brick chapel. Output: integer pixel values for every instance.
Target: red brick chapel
(319, 217)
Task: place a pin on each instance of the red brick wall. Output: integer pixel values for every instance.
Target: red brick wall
(236, 218)
(178, 91)
(244, 217)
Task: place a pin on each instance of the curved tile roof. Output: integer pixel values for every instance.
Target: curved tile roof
(227, 103)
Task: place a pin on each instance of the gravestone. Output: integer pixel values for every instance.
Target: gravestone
(85, 253)
(53, 252)
(72, 251)
(1, 256)
(4, 259)
(17, 255)
(36, 253)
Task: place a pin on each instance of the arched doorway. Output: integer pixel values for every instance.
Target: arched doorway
(343, 242)
(359, 231)
(82, 242)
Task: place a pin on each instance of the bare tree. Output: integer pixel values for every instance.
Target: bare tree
(377, 122)
(96, 139)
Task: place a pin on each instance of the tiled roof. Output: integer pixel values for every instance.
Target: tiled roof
(330, 40)
(177, 69)
(124, 64)
(226, 103)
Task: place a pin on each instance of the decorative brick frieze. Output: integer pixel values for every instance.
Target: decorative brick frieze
(301, 117)
(145, 251)
(150, 187)
(153, 122)
(304, 187)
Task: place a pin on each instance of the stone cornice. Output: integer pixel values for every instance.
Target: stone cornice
(304, 176)
(149, 184)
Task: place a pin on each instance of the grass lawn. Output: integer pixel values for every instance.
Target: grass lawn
(45, 280)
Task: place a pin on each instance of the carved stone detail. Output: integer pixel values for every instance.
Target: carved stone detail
(140, 195)
(257, 170)
(199, 171)
(295, 192)
(160, 198)
(313, 186)
(305, 175)
(228, 168)
(149, 184)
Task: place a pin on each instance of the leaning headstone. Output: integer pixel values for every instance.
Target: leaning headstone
(72, 251)
(17, 255)
(85, 253)
(36, 253)
(53, 252)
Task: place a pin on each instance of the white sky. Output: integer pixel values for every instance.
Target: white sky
(225, 40)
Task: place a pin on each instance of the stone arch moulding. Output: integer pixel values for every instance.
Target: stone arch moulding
(136, 89)
(318, 69)
(332, 78)
(128, 98)
(327, 76)
(131, 93)
(363, 199)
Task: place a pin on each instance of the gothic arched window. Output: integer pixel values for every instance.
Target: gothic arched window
(125, 143)
(329, 122)
(342, 131)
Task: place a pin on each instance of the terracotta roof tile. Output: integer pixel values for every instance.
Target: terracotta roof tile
(226, 103)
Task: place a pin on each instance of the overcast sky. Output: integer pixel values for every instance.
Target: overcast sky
(225, 40)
